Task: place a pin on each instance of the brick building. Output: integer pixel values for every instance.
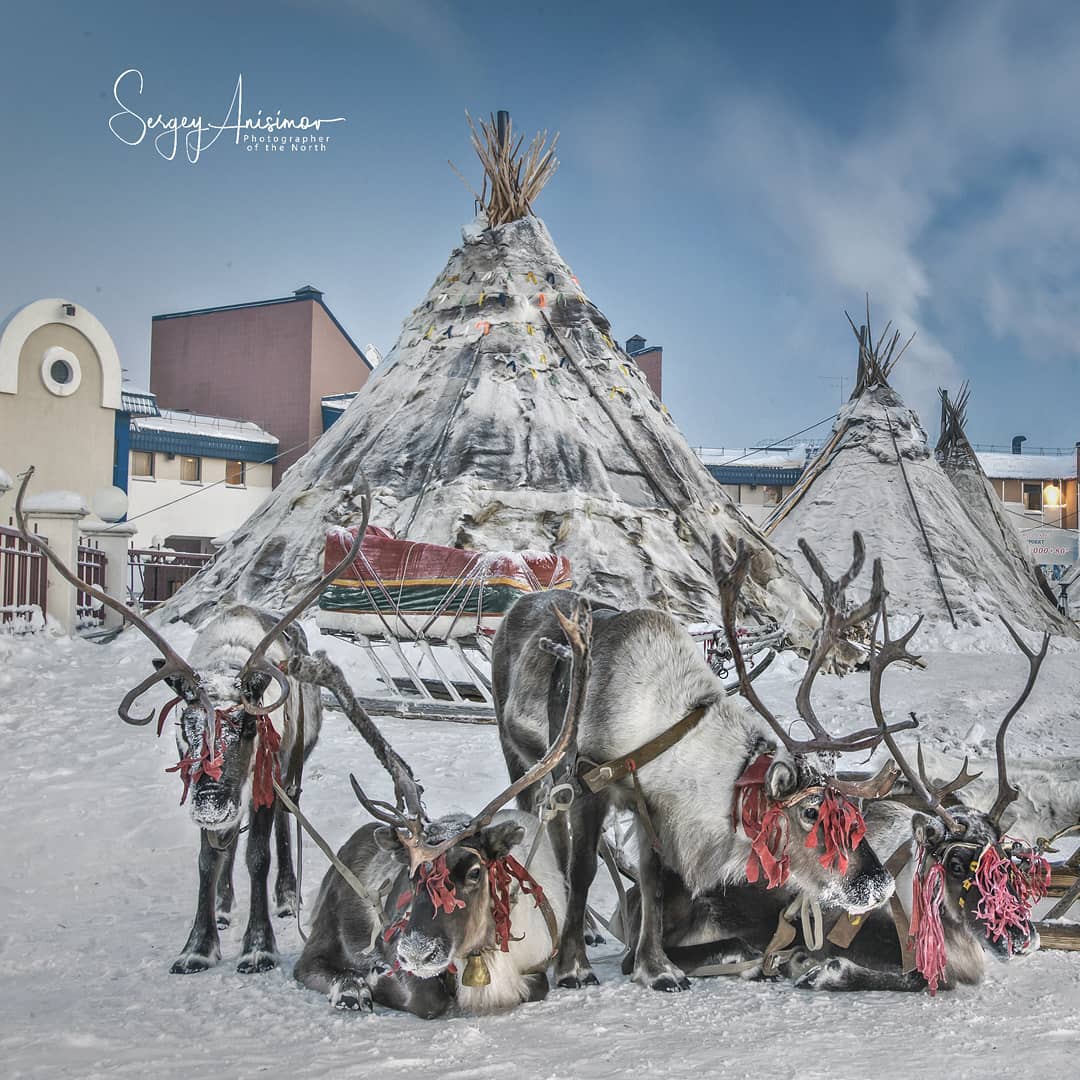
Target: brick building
(271, 362)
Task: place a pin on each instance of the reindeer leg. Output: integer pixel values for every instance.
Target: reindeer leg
(652, 968)
(285, 897)
(225, 894)
(840, 974)
(572, 968)
(538, 986)
(426, 998)
(260, 947)
(203, 948)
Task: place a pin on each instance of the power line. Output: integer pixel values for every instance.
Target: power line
(785, 438)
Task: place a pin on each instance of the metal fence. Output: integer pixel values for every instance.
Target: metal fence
(154, 574)
(23, 583)
(92, 565)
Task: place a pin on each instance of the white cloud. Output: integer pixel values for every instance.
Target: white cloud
(958, 191)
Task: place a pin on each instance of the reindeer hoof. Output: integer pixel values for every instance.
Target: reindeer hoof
(670, 984)
(253, 962)
(190, 963)
(224, 920)
(349, 995)
(576, 982)
(285, 909)
(594, 937)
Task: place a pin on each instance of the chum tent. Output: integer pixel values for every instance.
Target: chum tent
(507, 418)
(945, 552)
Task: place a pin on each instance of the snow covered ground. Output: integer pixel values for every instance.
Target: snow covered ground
(100, 890)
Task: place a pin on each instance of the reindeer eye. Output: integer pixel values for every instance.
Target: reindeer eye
(810, 813)
(474, 875)
(957, 867)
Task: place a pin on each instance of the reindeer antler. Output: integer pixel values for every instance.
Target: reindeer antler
(256, 662)
(175, 664)
(729, 583)
(891, 651)
(578, 631)
(1006, 792)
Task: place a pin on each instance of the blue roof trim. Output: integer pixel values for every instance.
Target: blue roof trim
(755, 474)
(317, 299)
(139, 403)
(182, 442)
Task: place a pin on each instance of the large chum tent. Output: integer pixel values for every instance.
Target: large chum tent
(946, 548)
(506, 417)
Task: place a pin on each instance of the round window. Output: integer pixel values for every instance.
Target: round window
(60, 371)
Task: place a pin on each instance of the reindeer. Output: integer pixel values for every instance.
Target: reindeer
(415, 913)
(677, 751)
(972, 889)
(233, 749)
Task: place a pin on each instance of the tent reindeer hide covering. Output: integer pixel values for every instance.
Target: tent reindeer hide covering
(947, 551)
(507, 418)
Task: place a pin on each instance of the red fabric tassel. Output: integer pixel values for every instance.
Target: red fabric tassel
(208, 763)
(500, 873)
(764, 823)
(841, 827)
(435, 877)
(927, 896)
(1008, 892)
(267, 765)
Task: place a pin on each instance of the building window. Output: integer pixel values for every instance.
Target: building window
(142, 463)
(773, 494)
(234, 473)
(190, 469)
(1033, 499)
(60, 371)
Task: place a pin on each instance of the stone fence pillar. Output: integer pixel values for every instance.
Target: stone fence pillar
(56, 515)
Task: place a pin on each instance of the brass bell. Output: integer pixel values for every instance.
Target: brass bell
(476, 971)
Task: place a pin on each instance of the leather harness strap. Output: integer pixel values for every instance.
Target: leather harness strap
(611, 772)
(895, 864)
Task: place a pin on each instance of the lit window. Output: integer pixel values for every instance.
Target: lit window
(190, 469)
(1033, 496)
(142, 463)
(234, 473)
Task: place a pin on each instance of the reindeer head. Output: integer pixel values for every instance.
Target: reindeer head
(224, 732)
(988, 884)
(801, 820)
(967, 875)
(455, 907)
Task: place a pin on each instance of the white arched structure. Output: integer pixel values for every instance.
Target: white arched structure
(44, 312)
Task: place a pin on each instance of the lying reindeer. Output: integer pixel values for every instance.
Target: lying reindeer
(972, 889)
(431, 913)
(233, 750)
(676, 750)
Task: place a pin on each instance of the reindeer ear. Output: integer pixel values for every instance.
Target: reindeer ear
(176, 683)
(498, 840)
(781, 780)
(928, 831)
(388, 840)
(255, 684)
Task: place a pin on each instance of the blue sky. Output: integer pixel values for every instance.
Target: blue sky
(733, 177)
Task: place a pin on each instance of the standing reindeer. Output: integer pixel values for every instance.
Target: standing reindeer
(674, 748)
(431, 913)
(234, 749)
(971, 889)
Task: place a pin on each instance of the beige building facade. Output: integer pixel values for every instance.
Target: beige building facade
(60, 382)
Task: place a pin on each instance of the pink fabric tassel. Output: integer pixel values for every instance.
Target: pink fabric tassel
(1008, 892)
(927, 896)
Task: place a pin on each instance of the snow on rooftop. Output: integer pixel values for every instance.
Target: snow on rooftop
(219, 427)
(1027, 466)
(779, 457)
